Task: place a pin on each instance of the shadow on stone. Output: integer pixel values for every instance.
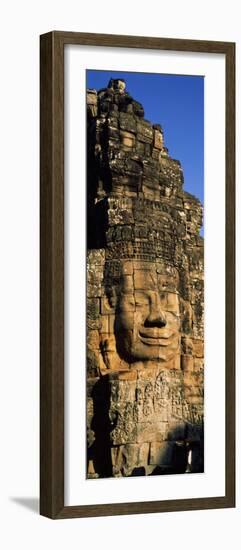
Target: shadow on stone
(138, 472)
(182, 453)
(100, 450)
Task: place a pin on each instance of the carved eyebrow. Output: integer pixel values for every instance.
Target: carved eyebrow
(142, 295)
(144, 302)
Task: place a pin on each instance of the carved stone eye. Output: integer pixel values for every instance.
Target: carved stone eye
(142, 303)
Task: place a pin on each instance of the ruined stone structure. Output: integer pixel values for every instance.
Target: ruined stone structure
(145, 297)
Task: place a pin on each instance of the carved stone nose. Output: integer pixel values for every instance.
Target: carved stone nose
(157, 320)
(156, 317)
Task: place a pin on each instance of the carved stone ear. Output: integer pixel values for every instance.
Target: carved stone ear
(186, 345)
(186, 316)
(113, 298)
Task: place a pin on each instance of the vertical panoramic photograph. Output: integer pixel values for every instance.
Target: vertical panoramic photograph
(145, 274)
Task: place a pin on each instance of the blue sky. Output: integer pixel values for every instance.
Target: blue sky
(177, 104)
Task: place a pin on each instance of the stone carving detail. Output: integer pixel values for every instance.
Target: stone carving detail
(145, 297)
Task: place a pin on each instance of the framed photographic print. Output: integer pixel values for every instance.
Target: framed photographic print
(137, 393)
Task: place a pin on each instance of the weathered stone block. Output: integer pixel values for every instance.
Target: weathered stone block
(93, 339)
(94, 281)
(199, 364)
(198, 348)
(149, 431)
(113, 133)
(93, 325)
(120, 215)
(161, 409)
(128, 122)
(129, 375)
(126, 458)
(92, 308)
(92, 361)
(105, 323)
(91, 97)
(113, 119)
(144, 132)
(96, 257)
(123, 391)
(127, 139)
(124, 433)
(187, 363)
(140, 147)
(158, 139)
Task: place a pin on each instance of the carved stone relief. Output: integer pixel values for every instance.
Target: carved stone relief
(145, 297)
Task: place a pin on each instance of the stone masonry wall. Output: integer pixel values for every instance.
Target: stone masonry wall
(145, 297)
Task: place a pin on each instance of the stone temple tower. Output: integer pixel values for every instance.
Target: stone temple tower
(145, 297)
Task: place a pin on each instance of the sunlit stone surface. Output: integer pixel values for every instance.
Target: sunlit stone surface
(145, 298)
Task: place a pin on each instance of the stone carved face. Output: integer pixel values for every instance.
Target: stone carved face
(147, 324)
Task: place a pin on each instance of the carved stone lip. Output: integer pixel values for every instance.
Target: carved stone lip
(158, 338)
(156, 333)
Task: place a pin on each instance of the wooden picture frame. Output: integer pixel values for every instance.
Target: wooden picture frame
(52, 274)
